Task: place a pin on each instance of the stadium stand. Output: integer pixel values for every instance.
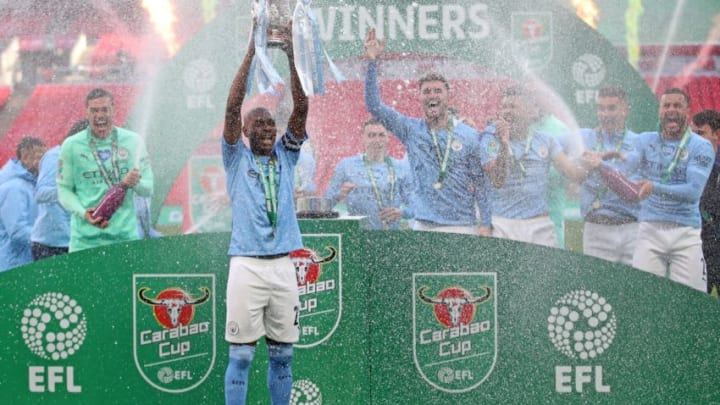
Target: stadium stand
(703, 90)
(53, 108)
(4, 95)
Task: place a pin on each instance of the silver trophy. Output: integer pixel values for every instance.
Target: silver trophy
(276, 16)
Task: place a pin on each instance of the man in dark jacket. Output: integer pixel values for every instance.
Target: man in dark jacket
(706, 123)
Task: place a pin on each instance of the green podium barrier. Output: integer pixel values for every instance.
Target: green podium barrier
(387, 317)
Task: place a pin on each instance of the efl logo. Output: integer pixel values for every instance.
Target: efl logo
(54, 327)
(589, 72)
(174, 329)
(455, 328)
(318, 268)
(581, 325)
(305, 392)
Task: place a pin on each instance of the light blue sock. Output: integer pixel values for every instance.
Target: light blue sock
(279, 377)
(236, 375)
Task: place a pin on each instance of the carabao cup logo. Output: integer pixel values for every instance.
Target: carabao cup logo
(173, 307)
(308, 265)
(454, 306)
(174, 329)
(209, 203)
(532, 38)
(582, 325)
(455, 328)
(318, 269)
(53, 326)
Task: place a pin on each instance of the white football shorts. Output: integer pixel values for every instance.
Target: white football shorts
(262, 299)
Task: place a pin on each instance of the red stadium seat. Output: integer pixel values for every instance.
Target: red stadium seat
(4, 95)
(703, 90)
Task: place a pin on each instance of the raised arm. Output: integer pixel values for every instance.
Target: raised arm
(392, 120)
(298, 116)
(373, 48)
(233, 110)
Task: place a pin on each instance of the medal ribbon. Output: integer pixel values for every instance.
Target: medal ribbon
(270, 187)
(444, 159)
(680, 148)
(373, 182)
(113, 159)
(600, 145)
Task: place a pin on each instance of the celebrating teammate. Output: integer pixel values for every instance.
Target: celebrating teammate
(675, 165)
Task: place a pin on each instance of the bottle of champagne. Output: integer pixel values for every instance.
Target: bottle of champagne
(619, 184)
(111, 201)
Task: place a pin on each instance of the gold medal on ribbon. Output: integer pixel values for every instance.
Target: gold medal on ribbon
(596, 204)
(437, 185)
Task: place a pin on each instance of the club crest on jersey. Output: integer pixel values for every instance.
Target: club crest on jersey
(667, 149)
(456, 145)
(318, 271)
(542, 152)
(492, 148)
(455, 328)
(104, 154)
(174, 329)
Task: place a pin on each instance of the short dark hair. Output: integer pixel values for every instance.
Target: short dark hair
(98, 93)
(707, 117)
(677, 90)
(78, 126)
(371, 121)
(257, 109)
(613, 91)
(27, 144)
(433, 77)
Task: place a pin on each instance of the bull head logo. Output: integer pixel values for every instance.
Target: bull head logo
(454, 306)
(307, 264)
(173, 307)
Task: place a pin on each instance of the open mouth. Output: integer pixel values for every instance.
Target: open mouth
(101, 123)
(266, 139)
(676, 121)
(608, 123)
